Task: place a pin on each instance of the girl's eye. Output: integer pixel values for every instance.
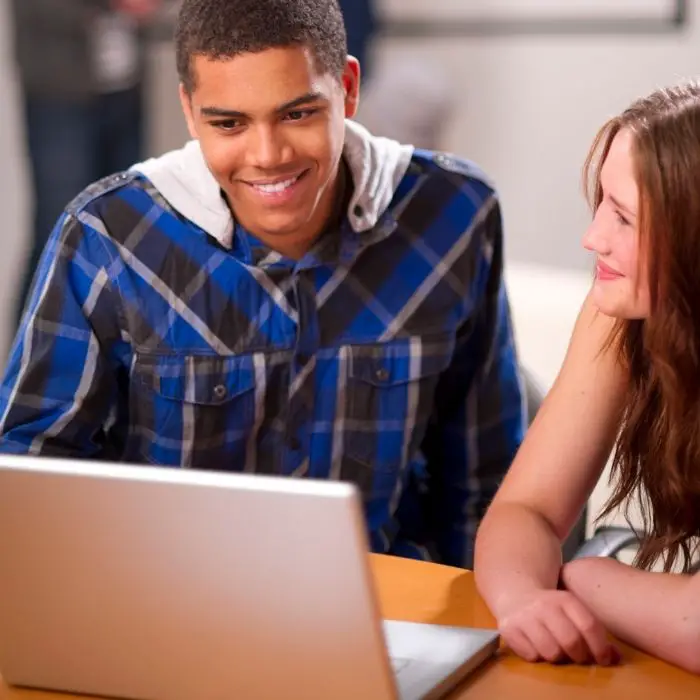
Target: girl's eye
(621, 219)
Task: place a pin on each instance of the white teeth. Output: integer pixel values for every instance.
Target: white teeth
(277, 186)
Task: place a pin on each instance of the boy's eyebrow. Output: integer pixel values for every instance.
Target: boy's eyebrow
(236, 114)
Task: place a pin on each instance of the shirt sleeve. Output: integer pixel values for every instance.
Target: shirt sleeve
(58, 389)
(480, 414)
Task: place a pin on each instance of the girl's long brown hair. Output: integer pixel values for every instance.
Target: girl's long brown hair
(657, 455)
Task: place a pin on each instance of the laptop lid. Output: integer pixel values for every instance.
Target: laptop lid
(166, 584)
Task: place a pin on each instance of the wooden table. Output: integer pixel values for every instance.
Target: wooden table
(428, 593)
(421, 592)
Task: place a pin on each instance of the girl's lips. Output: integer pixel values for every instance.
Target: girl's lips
(605, 272)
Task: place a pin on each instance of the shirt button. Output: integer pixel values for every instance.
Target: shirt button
(220, 391)
(382, 374)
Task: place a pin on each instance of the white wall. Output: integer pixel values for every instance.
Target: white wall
(528, 109)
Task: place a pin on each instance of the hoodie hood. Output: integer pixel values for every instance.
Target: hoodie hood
(182, 177)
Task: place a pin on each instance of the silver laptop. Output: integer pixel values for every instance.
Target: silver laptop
(165, 584)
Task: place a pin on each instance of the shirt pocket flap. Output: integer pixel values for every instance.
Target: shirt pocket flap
(196, 379)
(400, 361)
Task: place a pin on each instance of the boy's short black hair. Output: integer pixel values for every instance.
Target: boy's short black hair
(220, 29)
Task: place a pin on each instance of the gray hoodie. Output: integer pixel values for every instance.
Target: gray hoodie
(184, 180)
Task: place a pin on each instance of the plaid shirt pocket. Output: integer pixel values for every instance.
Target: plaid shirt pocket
(193, 410)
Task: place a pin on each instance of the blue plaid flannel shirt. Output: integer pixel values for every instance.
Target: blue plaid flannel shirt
(384, 358)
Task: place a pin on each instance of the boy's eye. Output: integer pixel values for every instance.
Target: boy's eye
(226, 124)
(299, 114)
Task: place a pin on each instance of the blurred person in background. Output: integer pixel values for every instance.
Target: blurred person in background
(389, 106)
(80, 69)
(361, 25)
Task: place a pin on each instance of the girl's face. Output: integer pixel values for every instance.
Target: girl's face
(621, 287)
